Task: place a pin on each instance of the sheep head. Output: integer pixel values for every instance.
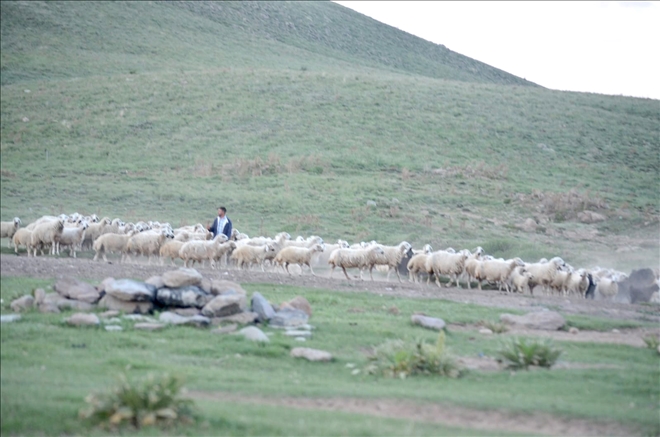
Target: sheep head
(17, 221)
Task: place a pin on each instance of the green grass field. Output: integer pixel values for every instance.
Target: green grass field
(48, 368)
(294, 115)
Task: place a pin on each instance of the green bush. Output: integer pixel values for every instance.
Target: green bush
(652, 341)
(496, 327)
(397, 358)
(152, 401)
(521, 354)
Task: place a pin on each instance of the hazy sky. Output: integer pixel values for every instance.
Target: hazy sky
(600, 47)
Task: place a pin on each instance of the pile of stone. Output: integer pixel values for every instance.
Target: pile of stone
(182, 297)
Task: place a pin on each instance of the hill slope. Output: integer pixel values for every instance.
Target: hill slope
(161, 111)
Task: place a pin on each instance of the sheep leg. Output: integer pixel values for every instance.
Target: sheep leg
(397, 274)
(332, 270)
(310, 269)
(345, 273)
(286, 267)
(437, 278)
(370, 272)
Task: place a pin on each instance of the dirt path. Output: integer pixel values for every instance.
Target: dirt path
(48, 267)
(448, 415)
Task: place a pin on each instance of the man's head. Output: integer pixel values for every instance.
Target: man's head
(222, 211)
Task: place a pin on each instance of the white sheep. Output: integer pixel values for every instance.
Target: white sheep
(354, 258)
(578, 282)
(391, 257)
(497, 271)
(417, 263)
(297, 255)
(223, 251)
(47, 233)
(472, 263)
(147, 243)
(247, 255)
(544, 272)
(22, 237)
(94, 231)
(170, 249)
(8, 229)
(607, 287)
(111, 243)
(520, 280)
(446, 263)
(40, 220)
(73, 237)
(200, 250)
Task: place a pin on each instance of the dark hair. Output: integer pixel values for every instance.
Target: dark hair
(223, 209)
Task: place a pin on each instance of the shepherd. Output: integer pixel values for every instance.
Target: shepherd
(221, 224)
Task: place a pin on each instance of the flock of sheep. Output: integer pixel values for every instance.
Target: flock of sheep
(195, 244)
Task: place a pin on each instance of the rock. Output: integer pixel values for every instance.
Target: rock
(149, 326)
(22, 303)
(225, 305)
(221, 286)
(39, 296)
(371, 203)
(573, 330)
(187, 312)
(129, 290)
(255, 334)
(296, 333)
(304, 327)
(225, 329)
(8, 318)
(206, 285)
(111, 321)
(310, 354)
(47, 308)
(615, 331)
(394, 310)
(287, 317)
(113, 328)
(590, 217)
(427, 322)
(241, 318)
(262, 307)
(529, 225)
(70, 304)
(283, 306)
(186, 296)
(112, 303)
(156, 281)
(655, 298)
(138, 318)
(181, 277)
(108, 314)
(485, 331)
(300, 339)
(104, 283)
(72, 288)
(175, 319)
(83, 319)
(300, 303)
(544, 320)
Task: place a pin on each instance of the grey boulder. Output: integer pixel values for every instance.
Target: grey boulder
(83, 319)
(8, 318)
(72, 288)
(310, 354)
(262, 307)
(181, 277)
(288, 318)
(175, 319)
(222, 286)
(22, 303)
(129, 290)
(255, 334)
(184, 297)
(112, 303)
(225, 305)
(428, 322)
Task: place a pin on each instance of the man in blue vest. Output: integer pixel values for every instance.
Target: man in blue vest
(221, 224)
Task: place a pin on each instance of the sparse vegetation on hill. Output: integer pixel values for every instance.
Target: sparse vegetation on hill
(295, 115)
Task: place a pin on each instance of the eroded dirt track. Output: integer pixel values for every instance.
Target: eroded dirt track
(48, 267)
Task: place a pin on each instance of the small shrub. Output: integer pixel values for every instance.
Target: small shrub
(496, 327)
(397, 358)
(152, 401)
(652, 341)
(521, 354)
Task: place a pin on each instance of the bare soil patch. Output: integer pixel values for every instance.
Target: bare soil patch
(448, 415)
(630, 337)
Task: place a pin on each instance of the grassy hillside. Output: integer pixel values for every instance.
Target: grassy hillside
(295, 115)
